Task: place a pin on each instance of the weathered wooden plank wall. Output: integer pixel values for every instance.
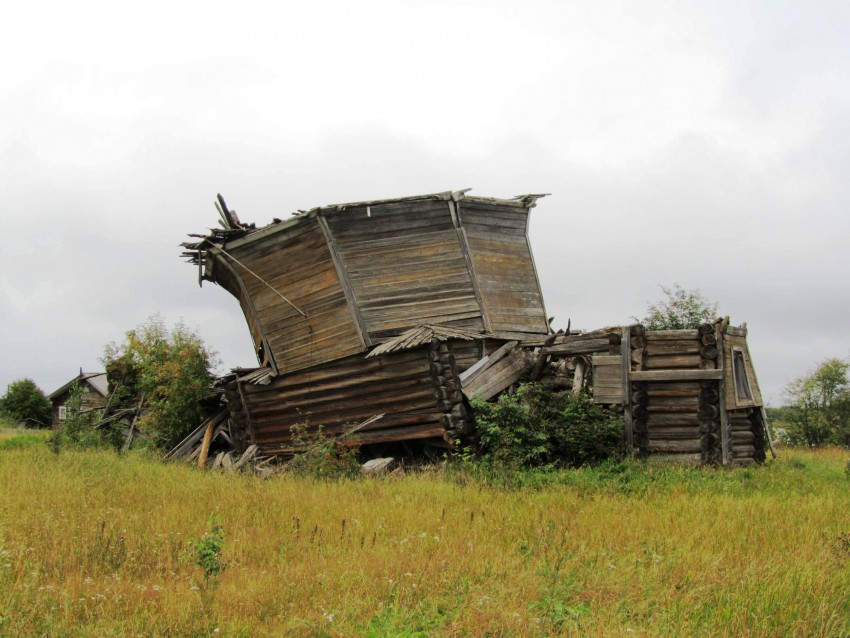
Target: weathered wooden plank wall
(406, 266)
(503, 265)
(297, 263)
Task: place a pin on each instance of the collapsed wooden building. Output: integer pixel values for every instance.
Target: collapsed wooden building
(394, 314)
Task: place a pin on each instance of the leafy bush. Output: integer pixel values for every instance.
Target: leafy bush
(170, 369)
(24, 401)
(682, 309)
(208, 549)
(538, 426)
(324, 457)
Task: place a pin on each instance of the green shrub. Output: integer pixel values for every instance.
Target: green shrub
(208, 548)
(536, 426)
(24, 401)
(170, 369)
(322, 456)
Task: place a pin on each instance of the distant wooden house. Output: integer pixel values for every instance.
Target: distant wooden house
(95, 391)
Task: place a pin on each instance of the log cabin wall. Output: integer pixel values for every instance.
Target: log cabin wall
(676, 395)
(406, 265)
(677, 417)
(496, 233)
(417, 391)
(296, 262)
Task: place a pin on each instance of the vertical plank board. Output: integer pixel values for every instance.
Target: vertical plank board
(464, 245)
(346, 283)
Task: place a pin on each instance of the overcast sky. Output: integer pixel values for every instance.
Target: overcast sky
(705, 143)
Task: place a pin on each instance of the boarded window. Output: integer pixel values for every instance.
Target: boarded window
(607, 378)
(63, 412)
(742, 384)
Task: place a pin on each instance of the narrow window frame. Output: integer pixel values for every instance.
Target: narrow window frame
(740, 378)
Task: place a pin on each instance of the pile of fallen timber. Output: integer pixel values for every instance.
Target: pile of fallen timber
(214, 435)
(565, 360)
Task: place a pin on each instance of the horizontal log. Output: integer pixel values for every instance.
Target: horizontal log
(671, 335)
(661, 419)
(675, 361)
(685, 403)
(684, 411)
(744, 436)
(673, 386)
(675, 375)
(670, 434)
(673, 347)
(693, 446)
(586, 347)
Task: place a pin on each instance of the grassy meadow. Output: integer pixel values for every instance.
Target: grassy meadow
(93, 544)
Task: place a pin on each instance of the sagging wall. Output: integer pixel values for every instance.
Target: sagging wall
(417, 390)
(296, 262)
(364, 273)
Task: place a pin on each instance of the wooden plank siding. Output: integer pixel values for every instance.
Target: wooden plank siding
(503, 265)
(297, 263)
(406, 266)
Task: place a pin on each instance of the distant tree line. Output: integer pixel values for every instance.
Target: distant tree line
(817, 409)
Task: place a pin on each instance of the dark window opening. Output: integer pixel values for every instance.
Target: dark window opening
(742, 384)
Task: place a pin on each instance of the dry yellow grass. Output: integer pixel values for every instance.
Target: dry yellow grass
(92, 544)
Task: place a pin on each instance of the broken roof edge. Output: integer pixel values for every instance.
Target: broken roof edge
(249, 235)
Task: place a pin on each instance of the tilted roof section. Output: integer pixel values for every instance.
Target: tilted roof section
(237, 236)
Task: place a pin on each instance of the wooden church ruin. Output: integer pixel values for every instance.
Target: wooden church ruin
(392, 315)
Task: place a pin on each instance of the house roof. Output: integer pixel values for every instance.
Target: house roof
(237, 233)
(97, 381)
